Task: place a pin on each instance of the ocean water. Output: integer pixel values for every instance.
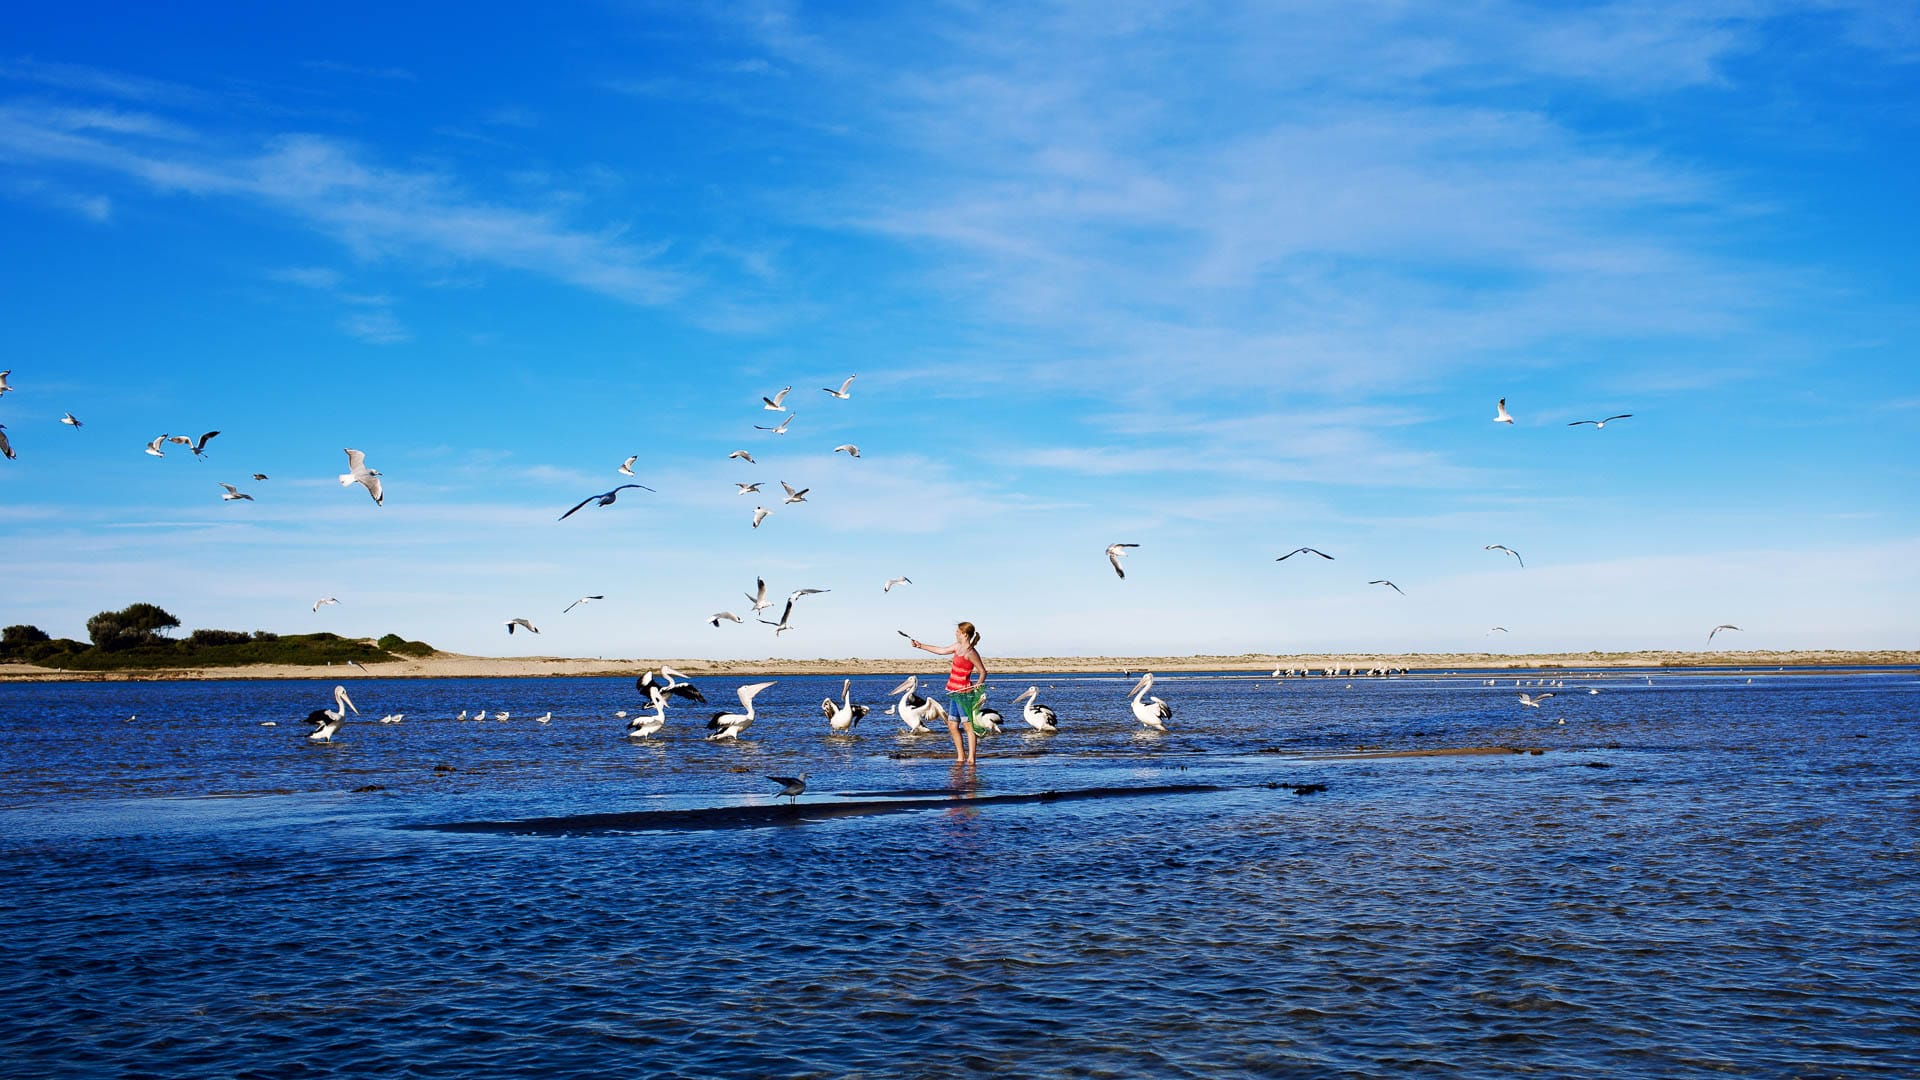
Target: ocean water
(1696, 875)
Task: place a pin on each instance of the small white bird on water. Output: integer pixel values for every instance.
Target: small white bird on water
(842, 392)
(791, 786)
(848, 449)
(358, 473)
(1502, 416)
(234, 494)
(1116, 552)
(774, 403)
(1150, 711)
(323, 602)
(891, 582)
(582, 600)
(1508, 550)
(512, 624)
(725, 725)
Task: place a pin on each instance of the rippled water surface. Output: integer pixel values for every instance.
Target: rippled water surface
(1697, 875)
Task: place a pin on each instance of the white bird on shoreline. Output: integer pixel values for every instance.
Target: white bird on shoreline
(1037, 716)
(1502, 416)
(234, 494)
(358, 473)
(1600, 424)
(743, 456)
(512, 624)
(626, 467)
(775, 403)
(323, 602)
(582, 600)
(1150, 711)
(725, 725)
(1508, 550)
(1116, 552)
(842, 392)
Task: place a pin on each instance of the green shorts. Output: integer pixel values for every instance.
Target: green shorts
(967, 703)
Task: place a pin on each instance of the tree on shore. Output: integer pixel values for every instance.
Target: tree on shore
(131, 626)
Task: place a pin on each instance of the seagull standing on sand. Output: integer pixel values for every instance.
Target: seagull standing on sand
(626, 467)
(327, 721)
(774, 403)
(234, 493)
(68, 420)
(1508, 550)
(843, 714)
(791, 786)
(1303, 551)
(358, 473)
(1722, 626)
(742, 455)
(842, 392)
(1037, 716)
(725, 725)
(1502, 416)
(577, 603)
(512, 624)
(891, 582)
(323, 602)
(605, 498)
(1116, 552)
(1599, 424)
(1388, 584)
(1150, 711)
(847, 448)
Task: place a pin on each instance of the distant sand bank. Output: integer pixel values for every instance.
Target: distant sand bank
(455, 666)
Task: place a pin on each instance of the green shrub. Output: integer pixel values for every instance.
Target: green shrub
(219, 637)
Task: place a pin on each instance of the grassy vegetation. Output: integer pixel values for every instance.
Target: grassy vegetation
(216, 648)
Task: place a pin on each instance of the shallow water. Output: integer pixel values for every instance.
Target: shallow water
(1696, 876)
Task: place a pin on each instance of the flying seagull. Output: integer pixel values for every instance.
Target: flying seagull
(1598, 424)
(198, 446)
(323, 602)
(891, 582)
(1491, 629)
(759, 600)
(358, 473)
(1722, 626)
(715, 618)
(259, 476)
(1508, 550)
(511, 624)
(6, 446)
(746, 489)
(773, 404)
(742, 455)
(847, 448)
(577, 603)
(786, 614)
(69, 420)
(1303, 551)
(1116, 552)
(781, 429)
(605, 498)
(759, 515)
(1532, 701)
(793, 496)
(1502, 416)
(154, 446)
(1388, 584)
(234, 493)
(3, 380)
(842, 392)
(626, 467)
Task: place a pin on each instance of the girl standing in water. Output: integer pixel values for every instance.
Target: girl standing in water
(964, 681)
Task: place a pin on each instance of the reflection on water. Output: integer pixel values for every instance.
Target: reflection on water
(1696, 875)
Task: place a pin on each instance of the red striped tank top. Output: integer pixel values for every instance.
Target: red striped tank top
(959, 675)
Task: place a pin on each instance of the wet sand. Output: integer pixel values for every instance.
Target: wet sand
(456, 666)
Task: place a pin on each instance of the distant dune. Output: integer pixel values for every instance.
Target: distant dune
(455, 666)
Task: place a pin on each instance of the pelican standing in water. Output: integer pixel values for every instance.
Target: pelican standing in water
(327, 721)
(914, 710)
(844, 714)
(725, 725)
(643, 726)
(1150, 711)
(1037, 716)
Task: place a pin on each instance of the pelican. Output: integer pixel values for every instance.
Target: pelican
(1037, 716)
(1502, 416)
(781, 429)
(626, 467)
(1599, 424)
(1116, 552)
(1150, 711)
(327, 721)
(605, 498)
(759, 515)
(643, 726)
(1303, 551)
(718, 615)
(69, 420)
(842, 392)
(1722, 626)
(791, 786)
(746, 489)
(512, 624)
(759, 599)
(844, 714)
(786, 614)
(1508, 550)
(914, 710)
(1388, 584)
(793, 496)
(848, 449)
(233, 494)
(154, 447)
(669, 683)
(742, 455)
(358, 473)
(726, 725)
(987, 721)
(891, 582)
(773, 404)
(323, 602)
(1532, 701)
(582, 600)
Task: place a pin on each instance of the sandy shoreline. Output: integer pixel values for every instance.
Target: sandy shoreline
(455, 666)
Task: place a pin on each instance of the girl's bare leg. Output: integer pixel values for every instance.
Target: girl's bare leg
(953, 729)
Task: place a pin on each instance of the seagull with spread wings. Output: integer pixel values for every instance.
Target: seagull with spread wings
(69, 420)
(577, 603)
(1508, 550)
(848, 449)
(1501, 415)
(605, 498)
(742, 455)
(513, 624)
(793, 496)
(358, 473)
(233, 494)
(1116, 552)
(773, 404)
(1722, 626)
(1388, 584)
(779, 430)
(891, 582)
(626, 467)
(1600, 424)
(786, 615)
(1303, 551)
(842, 392)
(323, 602)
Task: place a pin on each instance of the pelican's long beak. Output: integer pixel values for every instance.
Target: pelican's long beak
(1145, 684)
(905, 687)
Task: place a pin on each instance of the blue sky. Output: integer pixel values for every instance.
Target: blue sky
(1220, 280)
